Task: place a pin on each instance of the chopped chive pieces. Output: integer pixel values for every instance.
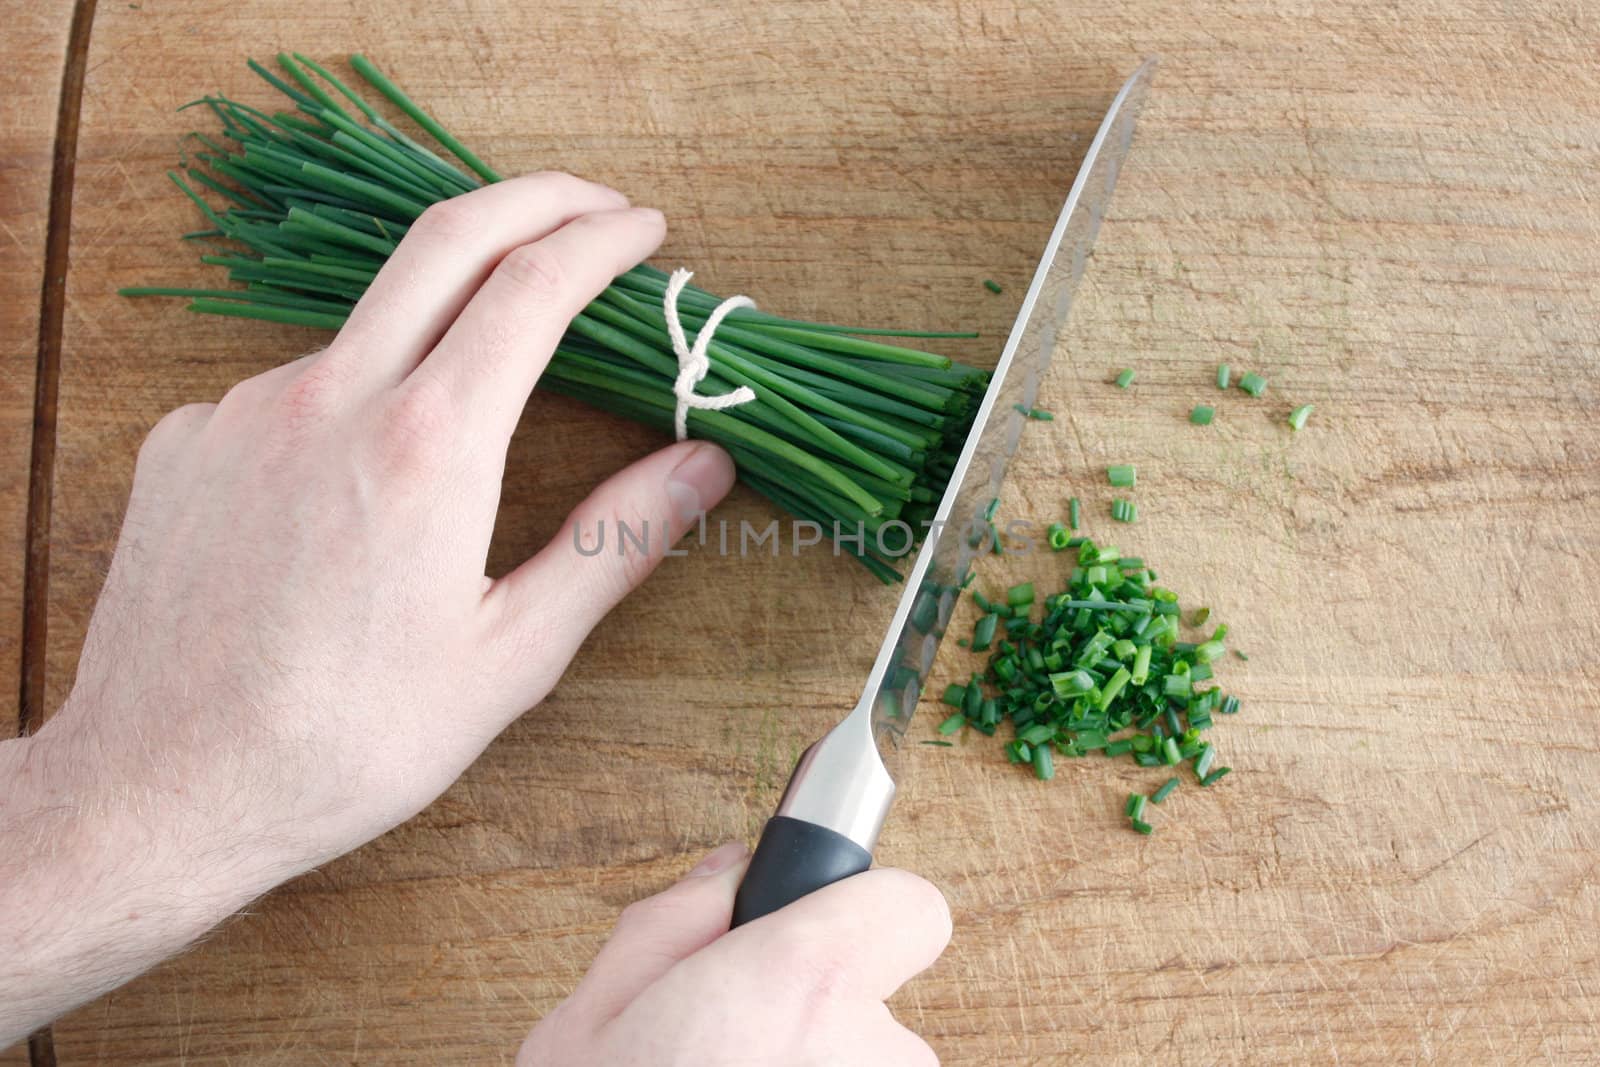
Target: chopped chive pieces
(992, 285)
(1059, 536)
(1124, 510)
(1224, 373)
(1113, 687)
(1202, 414)
(1136, 804)
(1253, 383)
(1143, 827)
(988, 512)
(1071, 683)
(1074, 510)
(1041, 415)
(1241, 655)
(1125, 379)
(1165, 791)
(1141, 665)
(1214, 775)
(983, 632)
(1037, 734)
(941, 744)
(1100, 667)
(1122, 475)
(1297, 417)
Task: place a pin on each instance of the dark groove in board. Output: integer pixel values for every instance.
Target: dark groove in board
(46, 389)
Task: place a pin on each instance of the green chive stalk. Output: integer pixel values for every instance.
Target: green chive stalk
(303, 207)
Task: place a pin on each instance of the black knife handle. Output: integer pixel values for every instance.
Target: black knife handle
(792, 859)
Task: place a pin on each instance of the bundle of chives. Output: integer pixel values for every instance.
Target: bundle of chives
(844, 429)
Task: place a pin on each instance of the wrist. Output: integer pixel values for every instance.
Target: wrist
(105, 870)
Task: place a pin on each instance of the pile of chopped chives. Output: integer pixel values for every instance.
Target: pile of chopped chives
(844, 429)
(1099, 667)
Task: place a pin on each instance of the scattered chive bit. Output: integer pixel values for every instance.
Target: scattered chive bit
(1253, 383)
(988, 512)
(1096, 667)
(1059, 536)
(983, 632)
(1124, 510)
(941, 744)
(1297, 417)
(1074, 513)
(1122, 475)
(1143, 827)
(1200, 616)
(1125, 379)
(1041, 415)
(992, 285)
(1202, 414)
(1241, 655)
(1224, 375)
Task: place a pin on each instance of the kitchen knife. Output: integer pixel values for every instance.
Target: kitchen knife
(839, 794)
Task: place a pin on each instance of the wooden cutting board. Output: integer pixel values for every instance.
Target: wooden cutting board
(36, 42)
(1387, 209)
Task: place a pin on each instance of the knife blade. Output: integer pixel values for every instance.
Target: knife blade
(839, 794)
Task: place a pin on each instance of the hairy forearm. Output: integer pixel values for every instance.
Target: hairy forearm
(105, 871)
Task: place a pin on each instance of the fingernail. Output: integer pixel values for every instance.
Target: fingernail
(702, 478)
(649, 214)
(721, 859)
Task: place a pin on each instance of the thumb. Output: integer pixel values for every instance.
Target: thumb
(657, 932)
(609, 545)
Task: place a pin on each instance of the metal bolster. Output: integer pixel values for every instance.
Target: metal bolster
(841, 783)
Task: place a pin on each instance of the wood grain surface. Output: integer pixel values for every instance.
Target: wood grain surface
(36, 45)
(1388, 209)
(29, 79)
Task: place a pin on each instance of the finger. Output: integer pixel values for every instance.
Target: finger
(498, 346)
(654, 934)
(610, 543)
(445, 256)
(864, 936)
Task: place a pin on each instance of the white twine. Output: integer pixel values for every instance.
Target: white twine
(694, 363)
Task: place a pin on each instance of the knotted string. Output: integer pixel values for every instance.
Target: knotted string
(694, 363)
